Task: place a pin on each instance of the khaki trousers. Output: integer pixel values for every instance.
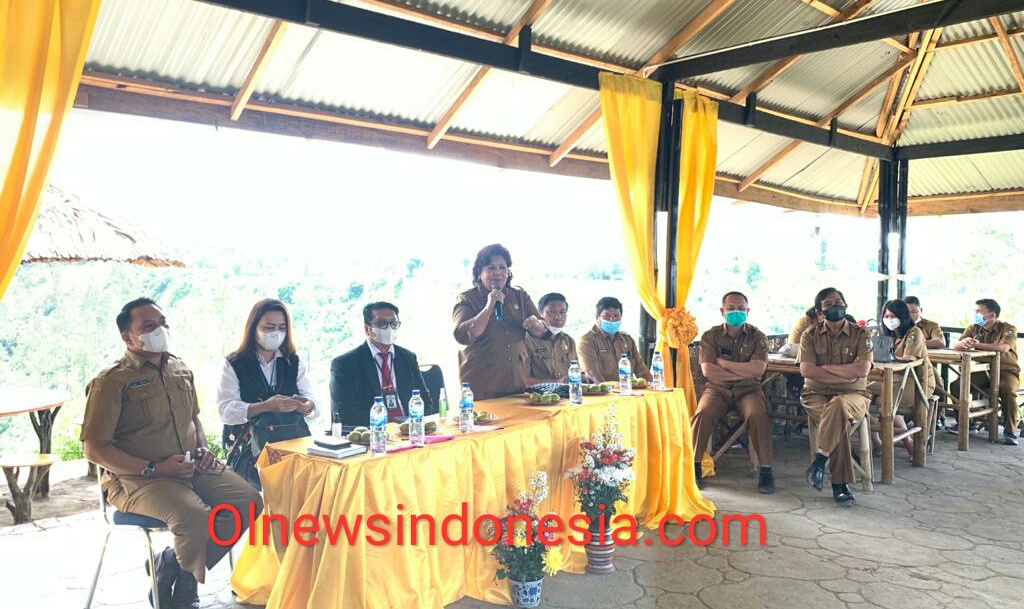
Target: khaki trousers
(1009, 382)
(185, 506)
(715, 402)
(832, 414)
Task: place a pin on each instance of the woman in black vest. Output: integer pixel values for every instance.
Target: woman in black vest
(264, 393)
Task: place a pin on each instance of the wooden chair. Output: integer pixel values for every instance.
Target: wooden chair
(863, 430)
(20, 503)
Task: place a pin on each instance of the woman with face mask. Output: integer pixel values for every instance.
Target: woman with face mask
(491, 322)
(908, 343)
(263, 384)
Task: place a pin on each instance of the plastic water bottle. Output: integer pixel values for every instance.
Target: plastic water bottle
(378, 427)
(416, 418)
(442, 404)
(466, 416)
(625, 376)
(658, 372)
(575, 383)
(336, 424)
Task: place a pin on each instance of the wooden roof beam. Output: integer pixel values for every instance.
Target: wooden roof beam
(667, 51)
(950, 44)
(938, 102)
(1011, 54)
(532, 14)
(258, 66)
(917, 74)
(837, 15)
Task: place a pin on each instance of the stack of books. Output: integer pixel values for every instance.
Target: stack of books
(334, 448)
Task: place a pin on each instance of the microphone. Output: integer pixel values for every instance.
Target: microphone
(497, 306)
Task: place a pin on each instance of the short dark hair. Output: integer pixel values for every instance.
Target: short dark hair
(608, 302)
(547, 299)
(989, 304)
(900, 309)
(483, 258)
(124, 318)
(740, 294)
(822, 294)
(912, 300)
(376, 306)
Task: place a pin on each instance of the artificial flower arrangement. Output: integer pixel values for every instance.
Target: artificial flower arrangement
(526, 560)
(680, 327)
(605, 473)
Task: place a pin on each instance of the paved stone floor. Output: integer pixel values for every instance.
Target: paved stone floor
(946, 536)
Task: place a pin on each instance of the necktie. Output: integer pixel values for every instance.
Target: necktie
(387, 384)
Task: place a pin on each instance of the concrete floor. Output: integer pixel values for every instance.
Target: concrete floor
(949, 535)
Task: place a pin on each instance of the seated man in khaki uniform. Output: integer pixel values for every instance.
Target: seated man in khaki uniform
(933, 337)
(603, 346)
(989, 334)
(142, 426)
(835, 358)
(733, 358)
(550, 355)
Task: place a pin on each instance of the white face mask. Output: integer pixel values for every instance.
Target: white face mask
(385, 336)
(156, 341)
(555, 331)
(270, 340)
(891, 322)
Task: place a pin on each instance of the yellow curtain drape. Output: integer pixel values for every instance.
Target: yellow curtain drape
(43, 44)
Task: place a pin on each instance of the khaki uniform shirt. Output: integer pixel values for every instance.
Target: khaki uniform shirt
(600, 353)
(496, 363)
(852, 344)
(801, 326)
(930, 329)
(750, 345)
(1001, 333)
(144, 410)
(912, 346)
(550, 358)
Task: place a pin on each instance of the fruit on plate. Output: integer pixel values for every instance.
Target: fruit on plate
(361, 429)
(354, 436)
(534, 398)
(544, 398)
(596, 389)
(364, 437)
(430, 426)
(485, 417)
(404, 428)
(639, 383)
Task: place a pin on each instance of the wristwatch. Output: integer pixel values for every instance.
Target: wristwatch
(150, 470)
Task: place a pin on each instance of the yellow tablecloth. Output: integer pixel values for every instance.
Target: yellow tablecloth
(486, 470)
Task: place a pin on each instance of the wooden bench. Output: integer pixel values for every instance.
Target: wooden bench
(20, 503)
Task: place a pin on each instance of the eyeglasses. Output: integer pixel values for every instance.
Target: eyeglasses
(381, 324)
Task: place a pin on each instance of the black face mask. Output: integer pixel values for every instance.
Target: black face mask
(835, 313)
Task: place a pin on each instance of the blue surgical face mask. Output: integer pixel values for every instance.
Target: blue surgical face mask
(979, 319)
(735, 318)
(610, 327)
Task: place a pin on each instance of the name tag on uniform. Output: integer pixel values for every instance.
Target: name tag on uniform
(137, 384)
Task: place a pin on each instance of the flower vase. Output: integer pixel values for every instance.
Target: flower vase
(600, 550)
(525, 594)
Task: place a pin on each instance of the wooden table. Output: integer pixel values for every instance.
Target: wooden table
(885, 374)
(966, 363)
(42, 406)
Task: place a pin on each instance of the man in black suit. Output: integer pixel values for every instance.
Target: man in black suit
(378, 367)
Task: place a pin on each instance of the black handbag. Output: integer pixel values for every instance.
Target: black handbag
(246, 441)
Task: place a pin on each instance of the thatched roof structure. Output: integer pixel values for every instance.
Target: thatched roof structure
(66, 231)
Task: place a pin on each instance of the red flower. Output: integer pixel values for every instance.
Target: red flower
(862, 323)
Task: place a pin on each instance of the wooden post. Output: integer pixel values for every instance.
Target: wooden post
(964, 407)
(993, 399)
(885, 425)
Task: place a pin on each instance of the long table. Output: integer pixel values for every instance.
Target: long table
(966, 363)
(885, 374)
(486, 470)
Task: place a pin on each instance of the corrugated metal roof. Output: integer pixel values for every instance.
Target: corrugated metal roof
(187, 43)
(864, 116)
(967, 70)
(568, 112)
(745, 21)
(493, 15)
(820, 82)
(973, 173)
(818, 171)
(987, 118)
(741, 149)
(970, 29)
(325, 69)
(729, 81)
(509, 105)
(613, 30)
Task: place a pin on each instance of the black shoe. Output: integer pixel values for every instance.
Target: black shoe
(766, 482)
(699, 475)
(186, 592)
(955, 428)
(1009, 438)
(843, 495)
(816, 475)
(166, 573)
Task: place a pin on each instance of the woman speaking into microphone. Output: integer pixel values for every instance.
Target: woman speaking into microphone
(491, 321)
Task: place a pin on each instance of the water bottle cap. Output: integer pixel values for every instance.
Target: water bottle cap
(625, 355)
(416, 392)
(465, 385)
(379, 398)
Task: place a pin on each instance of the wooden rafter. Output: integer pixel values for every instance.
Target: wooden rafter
(915, 78)
(938, 102)
(532, 14)
(850, 102)
(852, 12)
(667, 50)
(1011, 54)
(951, 44)
(258, 66)
(868, 185)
